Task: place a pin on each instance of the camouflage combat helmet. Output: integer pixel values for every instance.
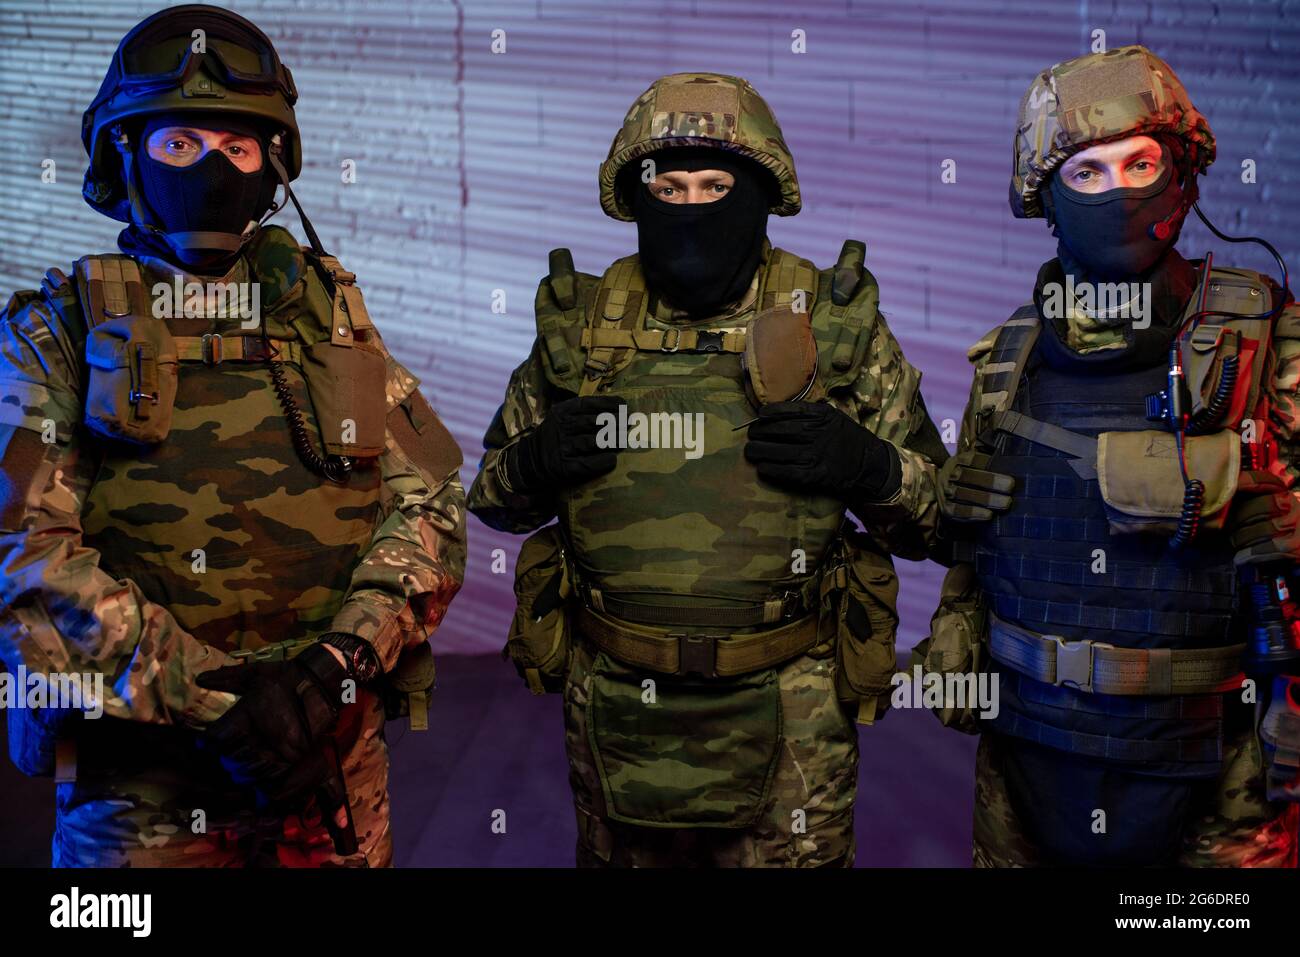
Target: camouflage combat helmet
(1128, 91)
(700, 109)
(165, 65)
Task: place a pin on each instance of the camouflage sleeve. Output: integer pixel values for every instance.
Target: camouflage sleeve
(525, 405)
(415, 563)
(60, 613)
(886, 399)
(1284, 393)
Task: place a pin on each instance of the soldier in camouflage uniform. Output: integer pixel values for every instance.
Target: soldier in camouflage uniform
(166, 521)
(1123, 534)
(713, 626)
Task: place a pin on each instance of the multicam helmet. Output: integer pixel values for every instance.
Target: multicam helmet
(700, 109)
(1128, 91)
(193, 58)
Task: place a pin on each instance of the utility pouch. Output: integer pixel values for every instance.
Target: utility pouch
(1142, 484)
(34, 734)
(348, 389)
(859, 595)
(780, 357)
(701, 754)
(956, 645)
(540, 633)
(133, 371)
(406, 688)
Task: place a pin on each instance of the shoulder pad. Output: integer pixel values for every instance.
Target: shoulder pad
(984, 345)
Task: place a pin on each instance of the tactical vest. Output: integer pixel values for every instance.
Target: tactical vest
(222, 522)
(1112, 645)
(690, 535)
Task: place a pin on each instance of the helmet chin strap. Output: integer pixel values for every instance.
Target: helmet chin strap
(181, 241)
(277, 164)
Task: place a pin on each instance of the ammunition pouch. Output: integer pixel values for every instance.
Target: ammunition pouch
(780, 357)
(347, 388)
(34, 734)
(405, 689)
(133, 373)
(1142, 484)
(859, 612)
(540, 630)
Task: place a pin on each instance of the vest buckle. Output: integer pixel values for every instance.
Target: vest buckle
(211, 349)
(1074, 660)
(709, 341)
(677, 338)
(697, 655)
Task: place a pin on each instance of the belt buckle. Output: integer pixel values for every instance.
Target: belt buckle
(697, 655)
(708, 341)
(677, 338)
(1073, 663)
(212, 348)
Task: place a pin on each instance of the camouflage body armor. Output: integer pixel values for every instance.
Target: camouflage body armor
(248, 571)
(712, 635)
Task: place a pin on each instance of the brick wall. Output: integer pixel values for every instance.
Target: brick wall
(472, 165)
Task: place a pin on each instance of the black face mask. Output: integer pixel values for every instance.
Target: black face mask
(1109, 235)
(702, 256)
(204, 208)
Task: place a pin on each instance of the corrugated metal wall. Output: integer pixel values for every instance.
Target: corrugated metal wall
(472, 164)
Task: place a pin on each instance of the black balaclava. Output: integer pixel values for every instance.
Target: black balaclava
(701, 256)
(211, 196)
(1108, 236)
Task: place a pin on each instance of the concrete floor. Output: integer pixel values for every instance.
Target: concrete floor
(494, 747)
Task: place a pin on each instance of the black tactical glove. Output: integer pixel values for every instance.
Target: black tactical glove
(813, 446)
(275, 737)
(562, 450)
(969, 492)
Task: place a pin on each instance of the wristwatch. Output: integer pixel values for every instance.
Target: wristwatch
(363, 663)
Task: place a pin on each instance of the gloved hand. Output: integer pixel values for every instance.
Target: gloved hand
(814, 447)
(275, 737)
(969, 492)
(562, 451)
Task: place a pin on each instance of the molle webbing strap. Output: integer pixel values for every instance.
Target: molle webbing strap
(621, 302)
(213, 349)
(1083, 448)
(110, 287)
(665, 340)
(1101, 668)
(783, 275)
(350, 314)
(663, 615)
(1001, 373)
(1215, 338)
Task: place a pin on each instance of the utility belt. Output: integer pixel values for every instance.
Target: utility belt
(687, 653)
(847, 610)
(1100, 668)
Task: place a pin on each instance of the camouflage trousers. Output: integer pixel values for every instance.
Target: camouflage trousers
(124, 810)
(806, 815)
(1230, 823)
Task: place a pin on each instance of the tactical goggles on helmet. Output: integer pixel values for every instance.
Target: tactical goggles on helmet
(162, 55)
